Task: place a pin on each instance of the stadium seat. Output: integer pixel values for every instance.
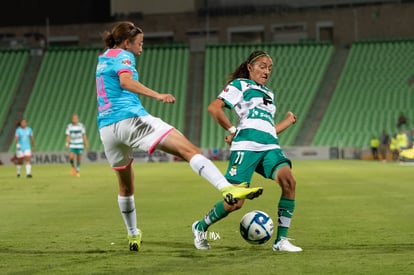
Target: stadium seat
(65, 85)
(12, 64)
(297, 72)
(371, 92)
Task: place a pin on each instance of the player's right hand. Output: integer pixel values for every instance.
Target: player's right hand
(167, 98)
(229, 138)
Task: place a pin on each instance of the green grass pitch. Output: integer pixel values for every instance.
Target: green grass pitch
(352, 217)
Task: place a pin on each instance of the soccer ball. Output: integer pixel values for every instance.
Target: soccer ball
(256, 227)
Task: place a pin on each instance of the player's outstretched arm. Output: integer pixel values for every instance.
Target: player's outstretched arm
(128, 83)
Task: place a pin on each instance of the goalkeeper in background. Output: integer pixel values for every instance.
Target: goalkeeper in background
(76, 142)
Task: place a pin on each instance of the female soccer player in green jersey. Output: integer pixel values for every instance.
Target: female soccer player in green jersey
(254, 145)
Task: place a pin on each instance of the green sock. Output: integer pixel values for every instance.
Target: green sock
(72, 163)
(215, 214)
(78, 166)
(285, 213)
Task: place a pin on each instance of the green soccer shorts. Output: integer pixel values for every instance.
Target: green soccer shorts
(243, 164)
(76, 151)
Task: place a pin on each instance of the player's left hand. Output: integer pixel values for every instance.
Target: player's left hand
(291, 117)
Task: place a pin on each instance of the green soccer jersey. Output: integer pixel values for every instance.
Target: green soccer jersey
(255, 107)
(75, 132)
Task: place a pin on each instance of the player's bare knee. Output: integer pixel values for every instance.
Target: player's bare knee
(188, 153)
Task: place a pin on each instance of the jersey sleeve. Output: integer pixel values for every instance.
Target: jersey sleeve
(124, 63)
(231, 95)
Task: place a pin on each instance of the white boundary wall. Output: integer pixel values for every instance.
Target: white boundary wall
(293, 152)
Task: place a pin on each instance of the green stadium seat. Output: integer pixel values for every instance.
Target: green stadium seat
(12, 64)
(294, 80)
(66, 84)
(372, 90)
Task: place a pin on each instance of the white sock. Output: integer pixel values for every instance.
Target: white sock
(128, 212)
(18, 169)
(205, 168)
(28, 169)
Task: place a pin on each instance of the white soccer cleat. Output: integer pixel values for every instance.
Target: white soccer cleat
(200, 238)
(285, 245)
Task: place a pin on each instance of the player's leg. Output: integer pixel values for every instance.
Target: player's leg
(119, 157)
(78, 162)
(28, 165)
(72, 162)
(19, 163)
(126, 204)
(177, 144)
(286, 207)
(277, 166)
(241, 167)
(219, 211)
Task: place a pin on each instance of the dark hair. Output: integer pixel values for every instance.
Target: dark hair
(241, 71)
(120, 32)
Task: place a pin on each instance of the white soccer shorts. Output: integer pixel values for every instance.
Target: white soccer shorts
(138, 132)
(23, 153)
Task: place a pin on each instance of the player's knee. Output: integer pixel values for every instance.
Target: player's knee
(189, 152)
(288, 184)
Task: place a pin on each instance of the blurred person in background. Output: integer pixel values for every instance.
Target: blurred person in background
(402, 120)
(374, 143)
(402, 140)
(394, 148)
(76, 142)
(25, 146)
(384, 145)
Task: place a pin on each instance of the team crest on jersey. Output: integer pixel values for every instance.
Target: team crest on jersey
(233, 171)
(127, 62)
(226, 89)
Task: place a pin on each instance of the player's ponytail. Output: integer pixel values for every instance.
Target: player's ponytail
(109, 40)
